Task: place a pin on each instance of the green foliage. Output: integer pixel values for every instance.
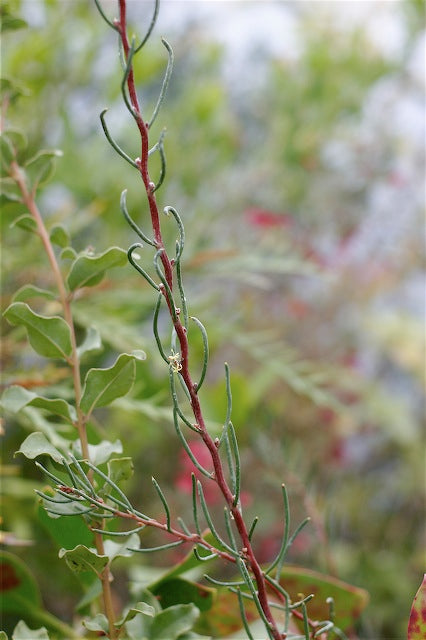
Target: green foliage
(296, 402)
(88, 271)
(22, 632)
(102, 386)
(49, 337)
(20, 590)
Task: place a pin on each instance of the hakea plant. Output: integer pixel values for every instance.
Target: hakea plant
(81, 488)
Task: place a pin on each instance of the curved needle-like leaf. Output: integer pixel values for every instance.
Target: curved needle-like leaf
(112, 484)
(127, 71)
(171, 210)
(160, 147)
(284, 542)
(205, 350)
(187, 448)
(234, 445)
(151, 26)
(107, 20)
(168, 291)
(249, 583)
(131, 222)
(194, 504)
(165, 83)
(210, 522)
(135, 265)
(182, 293)
(163, 500)
(155, 329)
(229, 529)
(201, 558)
(162, 547)
(244, 616)
(253, 526)
(112, 142)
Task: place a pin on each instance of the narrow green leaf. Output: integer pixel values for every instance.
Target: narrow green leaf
(163, 500)
(59, 236)
(30, 291)
(22, 632)
(188, 563)
(102, 386)
(121, 549)
(49, 336)
(81, 558)
(87, 271)
(61, 506)
(161, 547)
(36, 444)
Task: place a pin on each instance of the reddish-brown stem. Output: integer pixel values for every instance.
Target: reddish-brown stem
(219, 475)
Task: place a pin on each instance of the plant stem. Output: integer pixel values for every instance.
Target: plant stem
(247, 551)
(29, 200)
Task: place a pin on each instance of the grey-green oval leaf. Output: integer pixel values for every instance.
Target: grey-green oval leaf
(87, 271)
(26, 222)
(30, 291)
(36, 444)
(59, 236)
(102, 386)
(173, 622)
(22, 632)
(81, 558)
(99, 453)
(16, 398)
(49, 336)
(9, 191)
(41, 167)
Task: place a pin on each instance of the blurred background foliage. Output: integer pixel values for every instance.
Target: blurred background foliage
(297, 170)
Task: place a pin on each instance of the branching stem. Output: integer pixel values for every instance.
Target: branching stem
(219, 475)
(28, 198)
